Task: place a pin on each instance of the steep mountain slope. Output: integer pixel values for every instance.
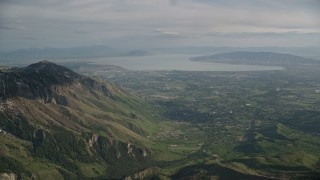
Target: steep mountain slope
(55, 122)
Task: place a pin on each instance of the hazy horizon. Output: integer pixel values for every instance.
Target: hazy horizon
(158, 23)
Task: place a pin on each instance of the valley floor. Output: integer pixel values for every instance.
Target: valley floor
(233, 124)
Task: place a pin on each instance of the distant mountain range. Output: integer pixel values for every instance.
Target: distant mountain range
(61, 52)
(311, 52)
(257, 58)
(75, 52)
(105, 50)
(137, 53)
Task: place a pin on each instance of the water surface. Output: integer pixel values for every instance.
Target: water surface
(180, 62)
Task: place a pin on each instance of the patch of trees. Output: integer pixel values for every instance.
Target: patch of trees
(9, 165)
(18, 126)
(178, 111)
(122, 161)
(62, 148)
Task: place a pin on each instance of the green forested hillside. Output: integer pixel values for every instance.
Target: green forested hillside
(57, 123)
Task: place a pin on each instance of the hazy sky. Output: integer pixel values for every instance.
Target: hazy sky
(158, 23)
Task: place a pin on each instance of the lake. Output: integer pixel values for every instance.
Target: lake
(180, 62)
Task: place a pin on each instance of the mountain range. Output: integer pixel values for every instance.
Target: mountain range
(73, 52)
(257, 58)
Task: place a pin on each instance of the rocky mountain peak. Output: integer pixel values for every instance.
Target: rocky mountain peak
(37, 80)
(43, 80)
(48, 68)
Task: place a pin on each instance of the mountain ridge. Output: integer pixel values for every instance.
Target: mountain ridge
(65, 121)
(41, 79)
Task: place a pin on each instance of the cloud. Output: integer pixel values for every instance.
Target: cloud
(174, 2)
(32, 38)
(263, 34)
(6, 27)
(85, 22)
(166, 34)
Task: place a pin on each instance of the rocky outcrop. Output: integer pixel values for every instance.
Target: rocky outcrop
(146, 173)
(8, 176)
(144, 151)
(93, 140)
(130, 150)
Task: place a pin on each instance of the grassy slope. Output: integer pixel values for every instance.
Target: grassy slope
(87, 113)
(122, 117)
